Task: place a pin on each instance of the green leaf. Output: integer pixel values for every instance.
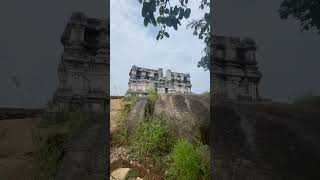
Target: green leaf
(168, 22)
(181, 2)
(160, 20)
(166, 34)
(178, 22)
(153, 20)
(176, 10)
(161, 10)
(140, 1)
(186, 1)
(187, 13)
(146, 21)
(145, 9)
(181, 14)
(175, 26)
(158, 36)
(166, 11)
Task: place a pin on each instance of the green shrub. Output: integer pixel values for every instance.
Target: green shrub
(132, 174)
(206, 93)
(307, 100)
(61, 125)
(48, 157)
(151, 138)
(120, 137)
(126, 104)
(187, 161)
(152, 98)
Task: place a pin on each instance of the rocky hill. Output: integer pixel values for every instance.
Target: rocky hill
(264, 140)
(186, 115)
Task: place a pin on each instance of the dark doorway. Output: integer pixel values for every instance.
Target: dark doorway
(166, 90)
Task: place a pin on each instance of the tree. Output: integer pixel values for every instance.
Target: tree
(166, 15)
(306, 11)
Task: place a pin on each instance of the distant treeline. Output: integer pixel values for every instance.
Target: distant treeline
(16, 113)
(116, 97)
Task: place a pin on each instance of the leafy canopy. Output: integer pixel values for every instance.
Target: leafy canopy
(166, 15)
(306, 11)
(170, 13)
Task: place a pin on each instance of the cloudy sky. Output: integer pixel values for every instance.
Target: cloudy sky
(134, 44)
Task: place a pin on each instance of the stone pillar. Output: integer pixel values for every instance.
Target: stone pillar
(252, 90)
(231, 53)
(168, 75)
(250, 55)
(160, 72)
(77, 27)
(103, 42)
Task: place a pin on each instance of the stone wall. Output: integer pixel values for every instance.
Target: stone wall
(143, 79)
(234, 68)
(83, 69)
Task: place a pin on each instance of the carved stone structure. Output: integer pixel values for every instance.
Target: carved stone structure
(142, 79)
(83, 69)
(235, 70)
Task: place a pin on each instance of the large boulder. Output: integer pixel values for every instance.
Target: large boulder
(265, 141)
(187, 115)
(136, 113)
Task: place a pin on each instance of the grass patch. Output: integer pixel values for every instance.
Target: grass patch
(132, 174)
(126, 104)
(48, 156)
(60, 127)
(188, 161)
(120, 137)
(151, 138)
(206, 93)
(307, 100)
(152, 98)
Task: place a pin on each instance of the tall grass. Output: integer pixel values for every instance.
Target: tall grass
(307, 100)
(120, 137)
(188, 161)
(151, 138)
(152, 98)
(60, 127)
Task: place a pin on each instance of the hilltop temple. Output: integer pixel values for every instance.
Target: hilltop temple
(83, 69)
(143, 79)
(234, 71)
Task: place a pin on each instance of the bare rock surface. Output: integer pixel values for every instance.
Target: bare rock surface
(85, 157)
(120, 174)
(265, 141)
(136, 113)
(187, 115)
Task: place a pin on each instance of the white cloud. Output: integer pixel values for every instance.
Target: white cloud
(134, 44)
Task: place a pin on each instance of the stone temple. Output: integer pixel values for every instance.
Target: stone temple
(143, 79)
(83, 69)
(235, 73)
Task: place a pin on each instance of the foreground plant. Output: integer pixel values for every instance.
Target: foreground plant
(188, 161)
(151, 138)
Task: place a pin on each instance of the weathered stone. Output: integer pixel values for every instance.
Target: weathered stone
(143, 79)
(120, 174)
(83, 69)
(234, 68)
(187, 115)
(136, 113)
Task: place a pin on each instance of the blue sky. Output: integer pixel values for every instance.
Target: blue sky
(134, 44)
